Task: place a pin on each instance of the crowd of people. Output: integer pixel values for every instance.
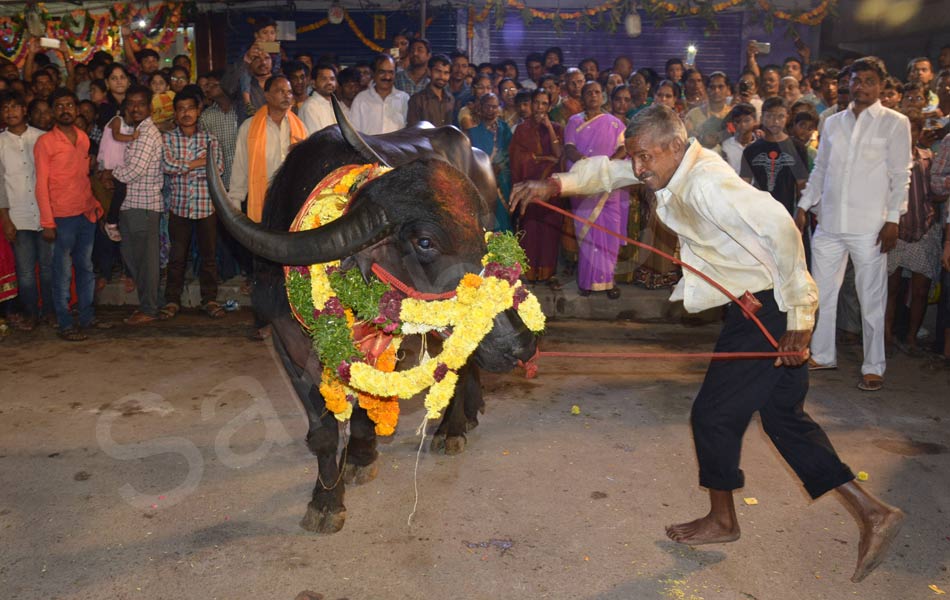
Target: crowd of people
(104, 168)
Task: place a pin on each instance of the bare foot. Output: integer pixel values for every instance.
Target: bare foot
(707, 530)
(876, 537)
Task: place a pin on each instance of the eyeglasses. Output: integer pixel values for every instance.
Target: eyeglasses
(179, 79)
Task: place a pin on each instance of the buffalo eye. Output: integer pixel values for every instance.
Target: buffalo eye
(424, 243)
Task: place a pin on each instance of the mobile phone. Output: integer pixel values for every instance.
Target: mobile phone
(394, 52)
(690, 55)
(46, 42)
(270, 47)
(763, 47)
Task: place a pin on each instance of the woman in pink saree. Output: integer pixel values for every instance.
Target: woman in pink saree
(596, 133)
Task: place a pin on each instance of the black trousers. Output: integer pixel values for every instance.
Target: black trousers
(179, 234)
(734, 389)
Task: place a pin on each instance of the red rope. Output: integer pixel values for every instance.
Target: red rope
(675, 260)
(406, 289)
(670, 355)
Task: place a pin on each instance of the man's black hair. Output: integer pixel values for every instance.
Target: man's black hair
(743, 109)
(440, 59)
(557, 52)
(270, 81)
(348, 75)
(422, 41)
(292, 66)
(63, 93)
(146, 53)
(873, 64)
(189, 92)
(12, 96)
(534, 57)
(262, 22)
(139, 89)
(773, 102)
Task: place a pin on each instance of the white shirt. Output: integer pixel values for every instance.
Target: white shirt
(316, 113)
(862, 171)
(738, 235)
(528, 84)
(733, 151)
(831, 110)
(278, 144)
(373, 115)
(19, 181)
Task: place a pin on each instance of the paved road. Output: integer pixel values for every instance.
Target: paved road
(168, 462)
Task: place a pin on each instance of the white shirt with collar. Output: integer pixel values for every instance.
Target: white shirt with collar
(19, 181)
(371, 114)
(316, 113)
(737, 235)
(278, 145)
(862, 171)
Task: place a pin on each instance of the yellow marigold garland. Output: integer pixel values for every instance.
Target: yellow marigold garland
(468, 317)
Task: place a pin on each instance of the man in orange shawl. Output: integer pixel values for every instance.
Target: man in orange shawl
(263, 142)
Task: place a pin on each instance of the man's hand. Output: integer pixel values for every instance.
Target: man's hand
(49, 234)
(9, 229)
(888, 237)
(794, 341)
(801, 219)
(197, 163)
(527, 192)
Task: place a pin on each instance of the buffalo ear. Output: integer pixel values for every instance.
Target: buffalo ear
(353, 137)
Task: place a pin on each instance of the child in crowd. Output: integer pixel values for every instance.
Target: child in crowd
(265, 33)
(523, 106)
(804, 128)
(115, 138)
(891, 93)
(741, 121)
(776, 163)
(163, 99)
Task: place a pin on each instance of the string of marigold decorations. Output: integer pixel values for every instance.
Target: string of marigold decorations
(357, 325)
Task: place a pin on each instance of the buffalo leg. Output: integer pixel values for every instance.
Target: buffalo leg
(360, 465)
(326, 512)
(450, 435)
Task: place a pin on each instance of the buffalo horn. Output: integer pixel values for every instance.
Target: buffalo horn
(358, 229)
(353, 137)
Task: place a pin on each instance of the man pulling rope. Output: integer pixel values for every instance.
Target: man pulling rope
(747, 241)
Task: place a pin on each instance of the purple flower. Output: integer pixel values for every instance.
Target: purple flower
(333, 307)
(303, 271)
(316, 314)
(509, 274)
(343, 371)
(520, 296)
(390, 304)
(379, 320)
(332, 270)
(390, 327)
(440, 371)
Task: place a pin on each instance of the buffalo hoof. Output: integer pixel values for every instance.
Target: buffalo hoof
(454, 444)
(359, 474)
(323, 521)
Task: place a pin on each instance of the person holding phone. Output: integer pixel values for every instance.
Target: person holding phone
(265, 42)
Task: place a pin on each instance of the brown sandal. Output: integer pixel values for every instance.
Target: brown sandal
(72, 335)
(213, 310)
(168, 311)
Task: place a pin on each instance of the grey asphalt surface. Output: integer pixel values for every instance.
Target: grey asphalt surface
(168, 462)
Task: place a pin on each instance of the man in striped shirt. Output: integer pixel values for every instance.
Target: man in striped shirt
(142, 208)
(184, 160)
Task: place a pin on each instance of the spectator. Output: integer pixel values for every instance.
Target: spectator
(253, 99)
(68, 213)
(40, 114)
(594, 133)
(163, 110)
(263, 142)
(185, 162)
(348, 84)
(891, 93)
(873, 174)
(416, 77)
(493, 137)
(789, 90)
(141, 211)
(381, 108)
(714, 108)
(553, 56)
(21, 219)
(844, 97)
(298, 74)
(507, 90)
(401, 46)
(523, 104)
(220, 120)
(770, 81)
(694, 88)
(913, 96)
(570, 104)
(434, 103)
(623, 66)
(534, 65)
(42, 84)
(620, 102)
(468, 115)
(674, 70)
(260, 63)
(917, 248)
(668, 93)
(118, 81)
(640, 96)
(742, 118)
(317, 112)
(178, 78)
(509, 69)
(458, 87)
(920, 70)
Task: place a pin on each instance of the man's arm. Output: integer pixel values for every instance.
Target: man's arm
(414, 115)
(940, 170)
(172, 163)
(811, 195)
(136, 161)
(237, 191)
(593, 175)
(9, 230)
(129, 50)
(900, 160)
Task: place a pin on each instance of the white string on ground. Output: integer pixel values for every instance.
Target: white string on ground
(415, 473)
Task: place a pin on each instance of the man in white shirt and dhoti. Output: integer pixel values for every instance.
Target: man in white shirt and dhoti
(749, 243)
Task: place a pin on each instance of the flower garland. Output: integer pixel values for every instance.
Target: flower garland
(356, 326)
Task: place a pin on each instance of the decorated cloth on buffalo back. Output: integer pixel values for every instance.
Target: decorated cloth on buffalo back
(357, 322)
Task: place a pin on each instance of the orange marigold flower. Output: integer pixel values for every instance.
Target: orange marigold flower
(471, 280)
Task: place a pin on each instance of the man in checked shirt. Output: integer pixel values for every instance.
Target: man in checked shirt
(184, 160)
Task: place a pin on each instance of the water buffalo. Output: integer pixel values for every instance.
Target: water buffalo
(424, 222)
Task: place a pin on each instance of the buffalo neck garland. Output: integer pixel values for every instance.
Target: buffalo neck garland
(357, 323)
